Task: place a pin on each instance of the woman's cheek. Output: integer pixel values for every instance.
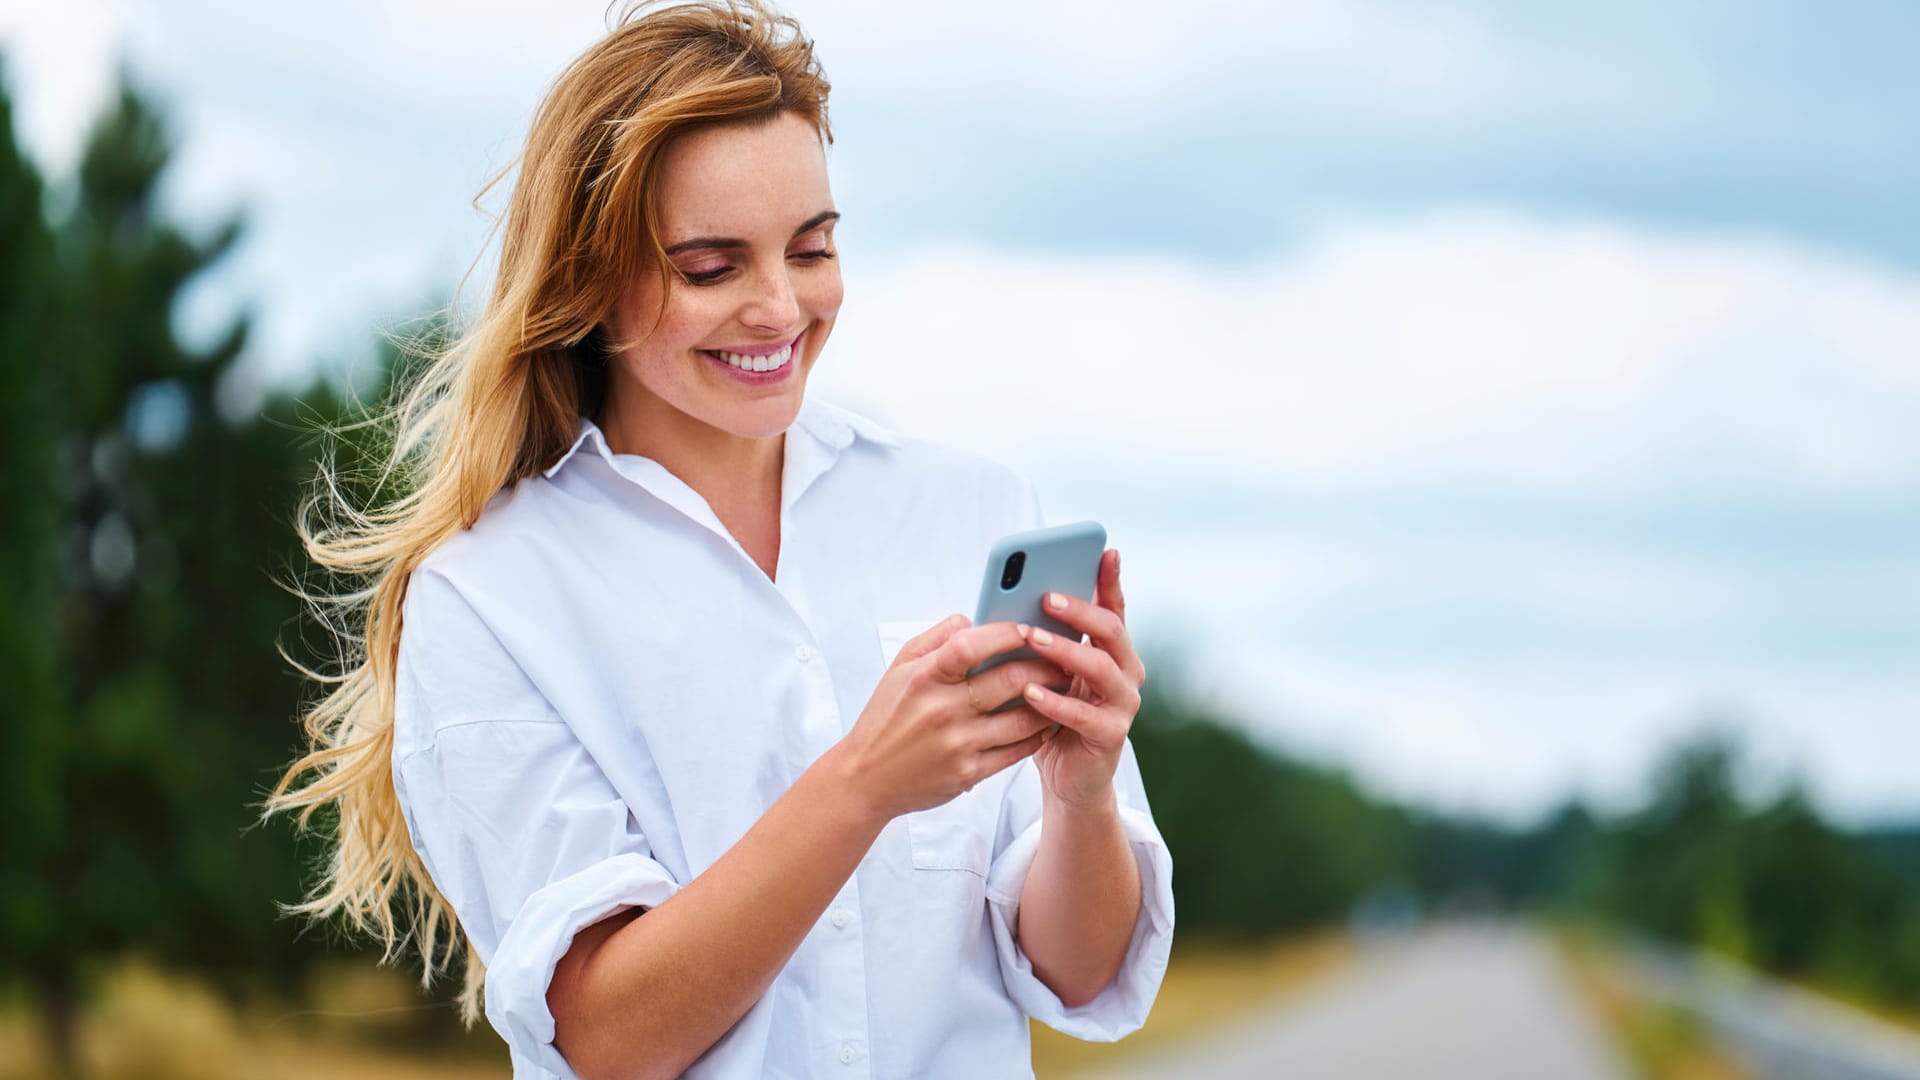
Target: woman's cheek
(832, 293)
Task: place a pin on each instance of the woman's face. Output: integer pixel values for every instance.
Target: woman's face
(747, 222)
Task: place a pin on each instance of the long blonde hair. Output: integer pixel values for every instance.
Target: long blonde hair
(500, 403)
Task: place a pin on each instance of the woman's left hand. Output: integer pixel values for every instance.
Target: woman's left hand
(1077, 761)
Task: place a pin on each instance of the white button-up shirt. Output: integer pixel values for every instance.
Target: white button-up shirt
(599, 692)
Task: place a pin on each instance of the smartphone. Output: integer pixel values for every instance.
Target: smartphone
(1023, 568)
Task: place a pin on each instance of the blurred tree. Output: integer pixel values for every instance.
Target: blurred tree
(1261, 843)
(1898, 849)
(1776, 886)
(1826, 907)
(157, 707)
(1563, 860)
(1803, 884)
(29, 571)
(1675, 866)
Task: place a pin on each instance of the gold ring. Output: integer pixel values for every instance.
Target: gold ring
(970, 701)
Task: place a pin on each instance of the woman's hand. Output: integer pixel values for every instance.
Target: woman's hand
(1078, 761)
(924, 736)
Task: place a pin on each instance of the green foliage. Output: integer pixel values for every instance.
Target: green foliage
(1672, 871)
(144, 528)
(1263, 844)
(30, 550)
(1773, 885)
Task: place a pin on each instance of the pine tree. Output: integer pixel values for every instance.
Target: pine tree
(144, 533)
(30, 545)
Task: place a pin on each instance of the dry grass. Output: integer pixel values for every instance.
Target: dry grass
(1206, 986)
(1662, 1042)
(358, 1021)
(145, 1024)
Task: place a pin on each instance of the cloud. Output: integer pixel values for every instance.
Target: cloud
(1511, 740)
(1466, 347)
(356, 133)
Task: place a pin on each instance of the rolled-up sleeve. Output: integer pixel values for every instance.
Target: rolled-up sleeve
(517, 825)
(1122, 1007)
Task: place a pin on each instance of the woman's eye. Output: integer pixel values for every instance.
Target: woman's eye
(712, 277)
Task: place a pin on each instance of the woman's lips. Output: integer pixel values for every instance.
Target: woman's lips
(785, 353)
(759, 350)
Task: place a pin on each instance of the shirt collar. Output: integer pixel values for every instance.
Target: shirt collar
(833, 426)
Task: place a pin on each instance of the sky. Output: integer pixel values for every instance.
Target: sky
(1483, 396)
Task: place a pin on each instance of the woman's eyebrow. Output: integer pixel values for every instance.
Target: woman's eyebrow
(806, 226)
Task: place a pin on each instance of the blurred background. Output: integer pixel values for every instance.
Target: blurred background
(1509, 417)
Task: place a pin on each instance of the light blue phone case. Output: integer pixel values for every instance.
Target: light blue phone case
(1063, 558)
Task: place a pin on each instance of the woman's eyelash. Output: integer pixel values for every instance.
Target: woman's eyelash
(711, 276)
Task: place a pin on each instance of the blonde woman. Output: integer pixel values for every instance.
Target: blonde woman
(635, 725)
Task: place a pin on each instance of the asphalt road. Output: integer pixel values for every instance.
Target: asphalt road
(1473, 1002)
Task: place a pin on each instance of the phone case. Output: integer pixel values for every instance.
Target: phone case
(1062, 558)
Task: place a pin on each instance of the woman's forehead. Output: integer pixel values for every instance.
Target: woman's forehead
(743, 181)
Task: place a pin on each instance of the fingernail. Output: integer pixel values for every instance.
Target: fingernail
(1034, 693)
(1024, 630)
(1056, 601)
(1041, 637)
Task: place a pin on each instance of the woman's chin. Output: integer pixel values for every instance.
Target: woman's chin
(763, 417)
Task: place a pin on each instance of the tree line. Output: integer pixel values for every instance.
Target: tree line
(1265, 844)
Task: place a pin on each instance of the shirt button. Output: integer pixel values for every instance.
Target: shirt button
(846, 1054)
(802, 653)
(839, 919)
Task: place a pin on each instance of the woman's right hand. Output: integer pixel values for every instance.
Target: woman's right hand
(920, 741)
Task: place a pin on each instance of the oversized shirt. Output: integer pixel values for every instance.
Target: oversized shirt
(599, 692)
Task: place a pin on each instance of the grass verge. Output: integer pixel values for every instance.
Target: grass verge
(358, 1020)
(1661, 1042)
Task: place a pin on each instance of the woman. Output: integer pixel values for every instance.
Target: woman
(621, 723)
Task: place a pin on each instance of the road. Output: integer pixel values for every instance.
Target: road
(1471, 1002)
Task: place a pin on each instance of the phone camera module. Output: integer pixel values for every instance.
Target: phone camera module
(1010, 576)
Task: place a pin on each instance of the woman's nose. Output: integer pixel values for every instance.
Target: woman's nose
(774, 305)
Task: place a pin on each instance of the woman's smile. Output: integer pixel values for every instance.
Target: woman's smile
(757, 365)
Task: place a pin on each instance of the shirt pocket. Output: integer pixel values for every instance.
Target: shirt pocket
(957, 834)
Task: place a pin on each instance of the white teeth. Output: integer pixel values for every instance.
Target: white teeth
(757, 363)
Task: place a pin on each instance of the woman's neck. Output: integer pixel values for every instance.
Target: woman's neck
(738, 475)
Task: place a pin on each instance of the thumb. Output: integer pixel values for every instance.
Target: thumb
(930, 639)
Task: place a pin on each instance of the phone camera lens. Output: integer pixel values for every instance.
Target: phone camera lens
(1011, 575)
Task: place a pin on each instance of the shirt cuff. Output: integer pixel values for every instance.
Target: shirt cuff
(542, 931)
(1122, 1007)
